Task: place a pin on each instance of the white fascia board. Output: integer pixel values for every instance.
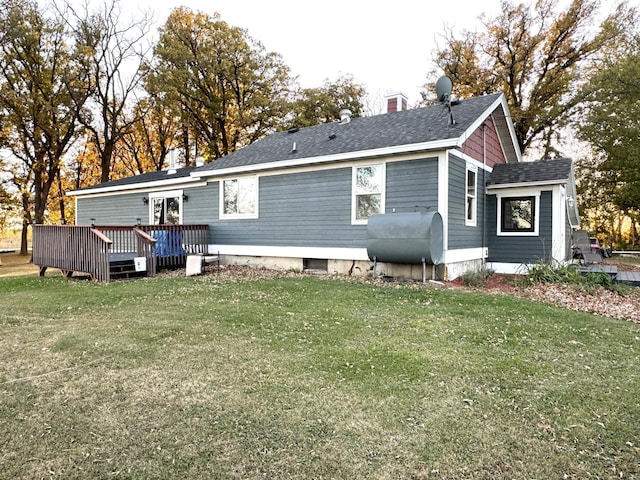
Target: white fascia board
(185, 182)
(340, 157)
(478, 164)
(546, 183)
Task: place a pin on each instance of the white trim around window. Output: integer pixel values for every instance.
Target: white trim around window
(367, 191)
(471, 195)
(239, 197)
(521, 195)
(164, 214)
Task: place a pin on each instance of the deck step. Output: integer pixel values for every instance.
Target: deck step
(629, 278)
(611, 270)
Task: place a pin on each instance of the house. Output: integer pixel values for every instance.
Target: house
(302, 198)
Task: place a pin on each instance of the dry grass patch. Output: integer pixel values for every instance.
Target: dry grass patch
(13, 264)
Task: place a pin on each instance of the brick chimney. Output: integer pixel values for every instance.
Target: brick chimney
(396, 102)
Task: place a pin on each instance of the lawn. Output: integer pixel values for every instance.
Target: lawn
(309, 378)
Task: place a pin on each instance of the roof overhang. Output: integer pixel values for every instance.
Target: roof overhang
(158, 184)
(543, 183)
(326, 159)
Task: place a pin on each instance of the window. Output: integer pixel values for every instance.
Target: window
(165, 208)
(368, 192)
(471, 207)
(518, 214)
(239, 198)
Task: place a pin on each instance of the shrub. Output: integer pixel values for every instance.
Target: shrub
(548, 273)
(569, 274)
(476, 278)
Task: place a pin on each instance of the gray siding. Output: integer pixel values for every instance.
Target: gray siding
(412, 186)
(461, 235)
(308, 209)
(314, 208)
(123, 209)
(513, 249)
(300, 209)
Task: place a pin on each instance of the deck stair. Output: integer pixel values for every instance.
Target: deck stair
(123, 265)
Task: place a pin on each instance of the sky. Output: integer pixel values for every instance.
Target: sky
(387, 46)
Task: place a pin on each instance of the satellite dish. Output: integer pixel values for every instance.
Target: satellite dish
(444, 86)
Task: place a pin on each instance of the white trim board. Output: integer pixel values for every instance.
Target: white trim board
(291, 252)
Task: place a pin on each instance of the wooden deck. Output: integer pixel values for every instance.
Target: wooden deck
(106, 252)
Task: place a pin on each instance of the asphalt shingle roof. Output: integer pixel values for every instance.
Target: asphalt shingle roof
(143, 178)
(406, 127)
(527, 172)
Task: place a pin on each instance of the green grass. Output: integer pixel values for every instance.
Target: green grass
(307, 378)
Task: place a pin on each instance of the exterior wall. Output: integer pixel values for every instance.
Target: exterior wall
(474, 146)
(412, 186)
(309, 209)
(460, 235)
(122, 209)
(520, 249)
(301, 209)
(127, 208)
(313, 208)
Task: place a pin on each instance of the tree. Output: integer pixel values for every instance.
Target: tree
(228, 90)
(323, 105)
(536, 56)
(7, 200)
(115, 54)
(611, 124)
(43, 87)
(152, 136)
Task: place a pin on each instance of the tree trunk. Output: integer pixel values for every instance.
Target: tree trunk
(105, 161)
(63, 218)
(24, 238)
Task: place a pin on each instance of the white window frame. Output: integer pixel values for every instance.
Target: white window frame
(354, 194)
(518, 194)
(473, 221)
(253, 214)
(166, 194)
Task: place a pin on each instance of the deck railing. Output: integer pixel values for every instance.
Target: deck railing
(72, 249)
(175, 242)
(88, 249)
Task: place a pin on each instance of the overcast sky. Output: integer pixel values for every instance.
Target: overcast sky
(387, 46)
